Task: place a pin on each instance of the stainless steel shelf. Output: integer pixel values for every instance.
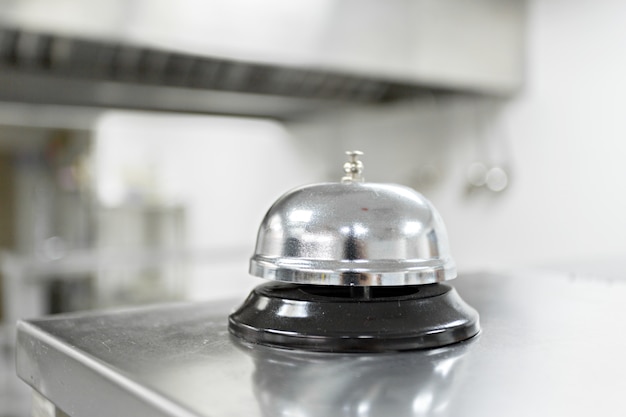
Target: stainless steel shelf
(44, 68)
(551, 345)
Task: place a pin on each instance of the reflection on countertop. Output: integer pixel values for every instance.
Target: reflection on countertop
(297, 383)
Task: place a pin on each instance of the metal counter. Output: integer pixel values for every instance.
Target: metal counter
(551, 345)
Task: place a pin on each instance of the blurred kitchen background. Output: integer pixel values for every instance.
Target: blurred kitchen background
(141, 142)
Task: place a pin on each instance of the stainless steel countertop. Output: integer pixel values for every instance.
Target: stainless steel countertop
(551, 345)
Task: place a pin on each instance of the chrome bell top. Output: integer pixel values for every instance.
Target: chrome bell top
(353, 233)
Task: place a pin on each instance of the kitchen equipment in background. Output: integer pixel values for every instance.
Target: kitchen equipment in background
(144, 234)
(493, 160)
(494, 178)
(272, 59)
(357, 267)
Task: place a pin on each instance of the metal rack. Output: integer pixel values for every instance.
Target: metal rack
(52, 69)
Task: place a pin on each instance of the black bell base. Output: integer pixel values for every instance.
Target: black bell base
(354, 319)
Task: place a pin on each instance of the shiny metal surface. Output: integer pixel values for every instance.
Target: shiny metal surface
(353, 233)
(353, 169)
(551, 345)
(371, 249)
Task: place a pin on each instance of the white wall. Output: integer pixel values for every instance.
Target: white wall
(563, 138)
(566, 133)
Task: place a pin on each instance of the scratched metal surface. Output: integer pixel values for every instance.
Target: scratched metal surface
(551, 344)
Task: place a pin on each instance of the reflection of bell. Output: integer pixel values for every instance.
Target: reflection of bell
(358, 266)
(321, 384)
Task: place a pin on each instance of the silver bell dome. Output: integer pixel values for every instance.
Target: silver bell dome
(353, 233)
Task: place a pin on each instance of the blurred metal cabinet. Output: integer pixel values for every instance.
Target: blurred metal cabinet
(7, 213)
